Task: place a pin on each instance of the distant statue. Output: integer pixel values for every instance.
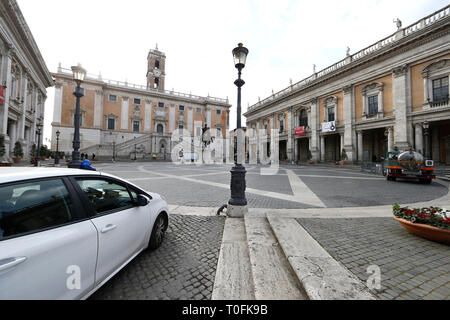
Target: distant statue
(314, 68)
(348, 52)
(290, 81)
(398, 23)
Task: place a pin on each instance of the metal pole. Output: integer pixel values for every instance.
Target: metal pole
(76, 162)
(238, 172)
(57, 151)
(38, 151)
(427, 145)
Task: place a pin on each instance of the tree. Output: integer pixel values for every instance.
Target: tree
(18, 151)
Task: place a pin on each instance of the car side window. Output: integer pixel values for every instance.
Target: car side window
(105, 195)
(34, 206)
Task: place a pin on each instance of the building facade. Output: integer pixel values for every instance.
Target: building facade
(392, 94)
(125, 120)
(24, 78)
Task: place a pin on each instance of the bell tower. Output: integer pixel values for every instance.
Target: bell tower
(156, 69)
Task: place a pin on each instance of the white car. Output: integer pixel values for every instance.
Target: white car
(65, 232)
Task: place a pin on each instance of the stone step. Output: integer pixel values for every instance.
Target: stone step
(321, 277)
(273, 278)
(233, 275)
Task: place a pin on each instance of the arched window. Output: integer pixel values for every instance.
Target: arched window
(157, 64)
(303, 120)
(159, 128)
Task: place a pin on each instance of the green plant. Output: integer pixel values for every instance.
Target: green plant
(18, 151)
(2, 145)
(33, 150)
(433, 216)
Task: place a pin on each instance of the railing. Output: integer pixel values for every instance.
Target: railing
(440, 103)
(141, 87)
(421, 24)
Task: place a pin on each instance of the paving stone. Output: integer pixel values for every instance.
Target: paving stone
(411, 267)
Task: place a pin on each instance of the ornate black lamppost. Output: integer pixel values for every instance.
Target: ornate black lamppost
(237, 205)
(78, 75)
(38, 151)
(426, 133)
(114, 151)
(57, 148)
(135, 158)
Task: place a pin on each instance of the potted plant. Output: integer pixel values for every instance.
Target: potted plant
(3, 160)
(432, 223)
(343, 156)
(33, 153)
(18, 152)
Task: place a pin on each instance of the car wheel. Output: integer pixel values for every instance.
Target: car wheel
(158, 232)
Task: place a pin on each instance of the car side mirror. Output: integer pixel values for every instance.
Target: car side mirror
(142, 200)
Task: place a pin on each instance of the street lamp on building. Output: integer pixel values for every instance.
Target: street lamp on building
(57, 148)
(426, 133)
(237, 205)
(78, 76)
(38, 151)
(135, 158)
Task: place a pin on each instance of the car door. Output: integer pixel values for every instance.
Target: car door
(122, 226)
(48, 245)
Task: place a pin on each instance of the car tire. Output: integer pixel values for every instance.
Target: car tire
(158, 232)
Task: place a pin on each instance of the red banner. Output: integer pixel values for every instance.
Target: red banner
(2, 95)
(300, 131)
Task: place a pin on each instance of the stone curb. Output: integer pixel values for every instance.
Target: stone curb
(322, 277)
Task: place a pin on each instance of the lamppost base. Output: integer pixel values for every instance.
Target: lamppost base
(74, 164)
(236, 211)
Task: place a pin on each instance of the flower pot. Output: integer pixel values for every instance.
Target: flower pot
(17, 160)
(426, 231)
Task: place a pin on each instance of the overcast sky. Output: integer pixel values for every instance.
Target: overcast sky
(285, 38)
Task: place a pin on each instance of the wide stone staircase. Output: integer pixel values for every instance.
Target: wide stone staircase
(273, 258)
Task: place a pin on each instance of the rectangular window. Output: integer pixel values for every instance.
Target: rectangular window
(111, 124)
(104, 195)
(198, 110)
(161, 104)
(330, 114)
(181, 108)
(157, 64)
(373, 105)
(135, 126)
(219, 112)
(440, 89)
(112, 98)
(181, 127)
(33, 207)
(136, 101)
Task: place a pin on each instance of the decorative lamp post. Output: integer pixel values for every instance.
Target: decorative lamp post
(38, 151)
(114, 151)
(78, 76)
(57, 148)
(426, 133)
(237, 205)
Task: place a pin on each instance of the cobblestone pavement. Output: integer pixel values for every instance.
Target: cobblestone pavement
(335, 187)
(184, 267)
(412, 268)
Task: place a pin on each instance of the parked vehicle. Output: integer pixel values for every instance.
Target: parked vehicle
(66, 232)
(408, 165)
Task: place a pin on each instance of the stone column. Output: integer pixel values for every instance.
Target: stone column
(190, 121)
(347, 142)
(98, 109)
(400, 102)
(124, 114)
(148, 116)
(5, 109)
(290, 132)
(208, 116)
(314, 126)
(228, 121)
(341, 146)
(12, 135)
(435, 154)
(257, 139)
(419, 138)
(57, 104)
(360, 145)
(171, 117)
(390, 138)
(322, 148)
